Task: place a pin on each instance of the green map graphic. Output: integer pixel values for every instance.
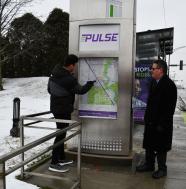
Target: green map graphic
(105, 91)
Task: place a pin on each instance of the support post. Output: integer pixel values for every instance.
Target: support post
(15, 132)
(79, 156)
(22, 144)
(2, 176)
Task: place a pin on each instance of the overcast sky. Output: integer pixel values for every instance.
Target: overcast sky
(151, 15)
(157, 14)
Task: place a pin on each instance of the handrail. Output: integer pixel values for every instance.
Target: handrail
(38, 155)
(38, 114)
(34, 144)
(24, 148)
(49, 120)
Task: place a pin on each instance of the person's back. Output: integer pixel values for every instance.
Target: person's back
(62, 87)
(62, 97)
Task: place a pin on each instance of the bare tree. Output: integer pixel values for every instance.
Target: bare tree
(8, 10)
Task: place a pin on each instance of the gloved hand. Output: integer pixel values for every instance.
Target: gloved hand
(91, 83)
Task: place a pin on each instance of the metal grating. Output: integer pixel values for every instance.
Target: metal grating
(112, 144)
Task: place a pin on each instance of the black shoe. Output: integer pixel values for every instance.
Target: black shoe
(159, 173)
(65, 162)
(58, 168)
(144, 168)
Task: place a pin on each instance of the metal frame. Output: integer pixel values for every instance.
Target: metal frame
(24, 148)
(107, 136)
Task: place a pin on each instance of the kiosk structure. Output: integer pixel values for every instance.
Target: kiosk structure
(102, 35)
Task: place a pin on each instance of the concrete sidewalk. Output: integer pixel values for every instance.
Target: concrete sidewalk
(118, 175)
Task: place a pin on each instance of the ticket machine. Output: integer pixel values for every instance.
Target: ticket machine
(102, 35)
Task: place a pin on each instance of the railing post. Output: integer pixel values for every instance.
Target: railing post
(21, 126)
(2, 176)
(79, 157)
(15, 132)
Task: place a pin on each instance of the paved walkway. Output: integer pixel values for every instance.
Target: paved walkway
(119, 176)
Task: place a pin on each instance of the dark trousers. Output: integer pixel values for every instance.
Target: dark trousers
(58, 152)
(150, 156)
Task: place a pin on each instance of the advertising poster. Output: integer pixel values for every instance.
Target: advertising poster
(142, 81)
(101, 100)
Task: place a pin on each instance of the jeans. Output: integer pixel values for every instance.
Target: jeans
(58, 152)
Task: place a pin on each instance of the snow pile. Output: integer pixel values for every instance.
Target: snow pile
(34, 98)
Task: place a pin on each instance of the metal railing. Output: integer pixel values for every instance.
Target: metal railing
(21, 151)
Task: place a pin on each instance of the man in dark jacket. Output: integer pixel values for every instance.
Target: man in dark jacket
(158, 120)
(62, 87)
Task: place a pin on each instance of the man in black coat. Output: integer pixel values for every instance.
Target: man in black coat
(62, 87)
(158, 120)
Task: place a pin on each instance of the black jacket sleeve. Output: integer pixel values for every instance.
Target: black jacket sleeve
(79, 89)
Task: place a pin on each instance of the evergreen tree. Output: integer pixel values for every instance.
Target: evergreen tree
(8, 10)
(26, 38)
(56, 38)
(35, 48)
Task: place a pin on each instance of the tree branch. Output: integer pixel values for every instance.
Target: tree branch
(9, 10)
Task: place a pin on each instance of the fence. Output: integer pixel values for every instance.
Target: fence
(33, 118)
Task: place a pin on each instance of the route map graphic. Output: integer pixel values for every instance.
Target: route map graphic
(101, 100)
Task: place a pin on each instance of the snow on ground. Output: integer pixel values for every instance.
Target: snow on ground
(34, 98)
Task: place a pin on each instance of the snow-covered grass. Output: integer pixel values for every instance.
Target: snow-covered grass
(34, 98)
